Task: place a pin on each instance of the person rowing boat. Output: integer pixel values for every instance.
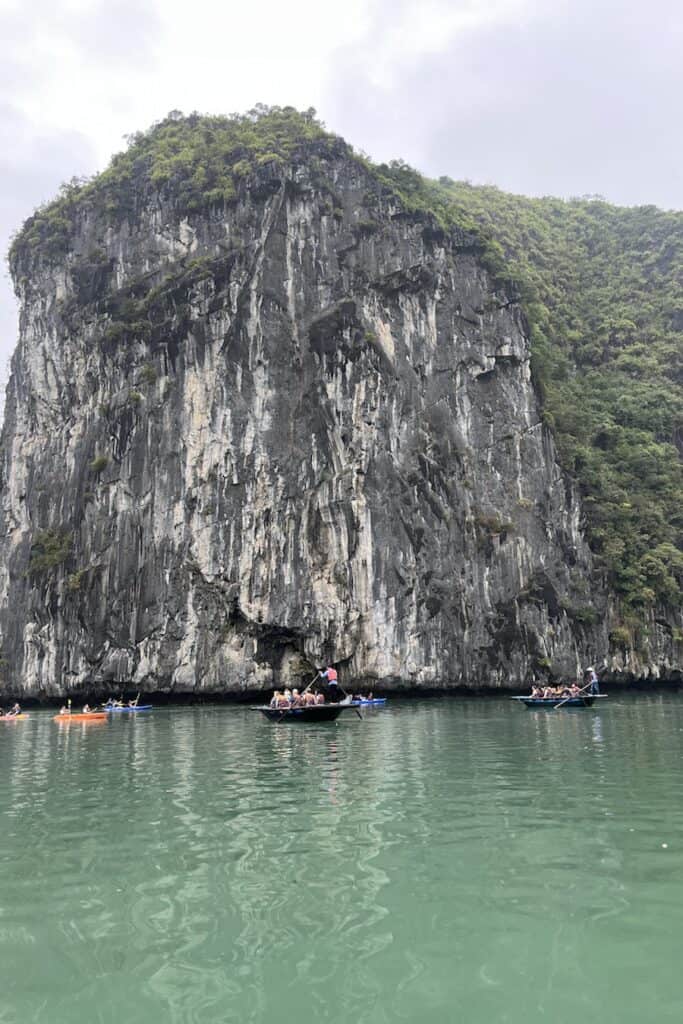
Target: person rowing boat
(332, 689)
(591, 680)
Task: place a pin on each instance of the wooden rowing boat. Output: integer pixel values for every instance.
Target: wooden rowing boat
(583, 701)
(308, 713)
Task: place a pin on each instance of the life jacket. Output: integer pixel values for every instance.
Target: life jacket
(331, 675)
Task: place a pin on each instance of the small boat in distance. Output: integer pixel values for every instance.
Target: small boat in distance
(584, 700)
(307, 713)
(81, 716)
(371, 700)
(114, 708)
(12, 718)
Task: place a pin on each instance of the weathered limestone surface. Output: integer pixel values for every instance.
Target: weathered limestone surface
(322, 444)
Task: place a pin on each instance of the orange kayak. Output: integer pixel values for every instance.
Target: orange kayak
(78, 716)
(11, 718)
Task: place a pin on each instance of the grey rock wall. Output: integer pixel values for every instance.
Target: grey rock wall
(296, 430)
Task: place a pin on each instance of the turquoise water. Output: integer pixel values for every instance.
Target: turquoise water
(452, 860)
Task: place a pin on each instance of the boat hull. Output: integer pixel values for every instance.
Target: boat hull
(94, 716)
(314, 713)
(139, 707)
(584, 701)
(12, 718)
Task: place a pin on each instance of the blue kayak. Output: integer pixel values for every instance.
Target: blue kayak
(375, 700)
(138, 707)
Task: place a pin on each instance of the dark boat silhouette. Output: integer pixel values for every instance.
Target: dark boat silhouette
(582, 701)
(309, 713)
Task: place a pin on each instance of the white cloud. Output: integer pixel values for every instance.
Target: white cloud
(535, 95)
(115, 67)
(402, 35)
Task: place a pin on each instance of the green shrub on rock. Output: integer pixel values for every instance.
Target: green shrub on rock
(49, 549)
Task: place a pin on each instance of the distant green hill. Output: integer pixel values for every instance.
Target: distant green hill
(602, 288)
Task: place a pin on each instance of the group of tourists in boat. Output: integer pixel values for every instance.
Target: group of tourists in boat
(590, 686)
(547, 692)
(569, 695)
(293, 699)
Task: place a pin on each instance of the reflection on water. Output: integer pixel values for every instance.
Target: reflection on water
(448, 860)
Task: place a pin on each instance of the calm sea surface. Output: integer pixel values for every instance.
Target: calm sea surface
(453, 860)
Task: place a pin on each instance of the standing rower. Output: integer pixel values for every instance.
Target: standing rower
(592, 680)
(332, 688)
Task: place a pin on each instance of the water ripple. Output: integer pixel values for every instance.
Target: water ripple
(445, 860)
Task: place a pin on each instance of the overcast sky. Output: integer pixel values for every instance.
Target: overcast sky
(543, 97)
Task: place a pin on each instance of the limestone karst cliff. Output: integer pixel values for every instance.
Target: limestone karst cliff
(290, 425)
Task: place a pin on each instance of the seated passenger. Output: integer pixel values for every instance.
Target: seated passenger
(274, 699)
(64, 710)
(296, 698)
(574, 690)
(87, 710)
(320, 698)
(536, 691)
(548, 692)
(14, 710)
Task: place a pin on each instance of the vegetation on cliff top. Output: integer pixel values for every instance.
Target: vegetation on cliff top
(198, 160)
(601, 287)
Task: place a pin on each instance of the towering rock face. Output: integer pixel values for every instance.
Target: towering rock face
(291, 430)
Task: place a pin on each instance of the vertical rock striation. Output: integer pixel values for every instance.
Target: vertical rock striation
(291, 429)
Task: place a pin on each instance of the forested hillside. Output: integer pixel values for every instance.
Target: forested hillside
(601, 286)
(603, 291)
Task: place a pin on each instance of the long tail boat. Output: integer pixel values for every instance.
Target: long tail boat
(584, 700)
